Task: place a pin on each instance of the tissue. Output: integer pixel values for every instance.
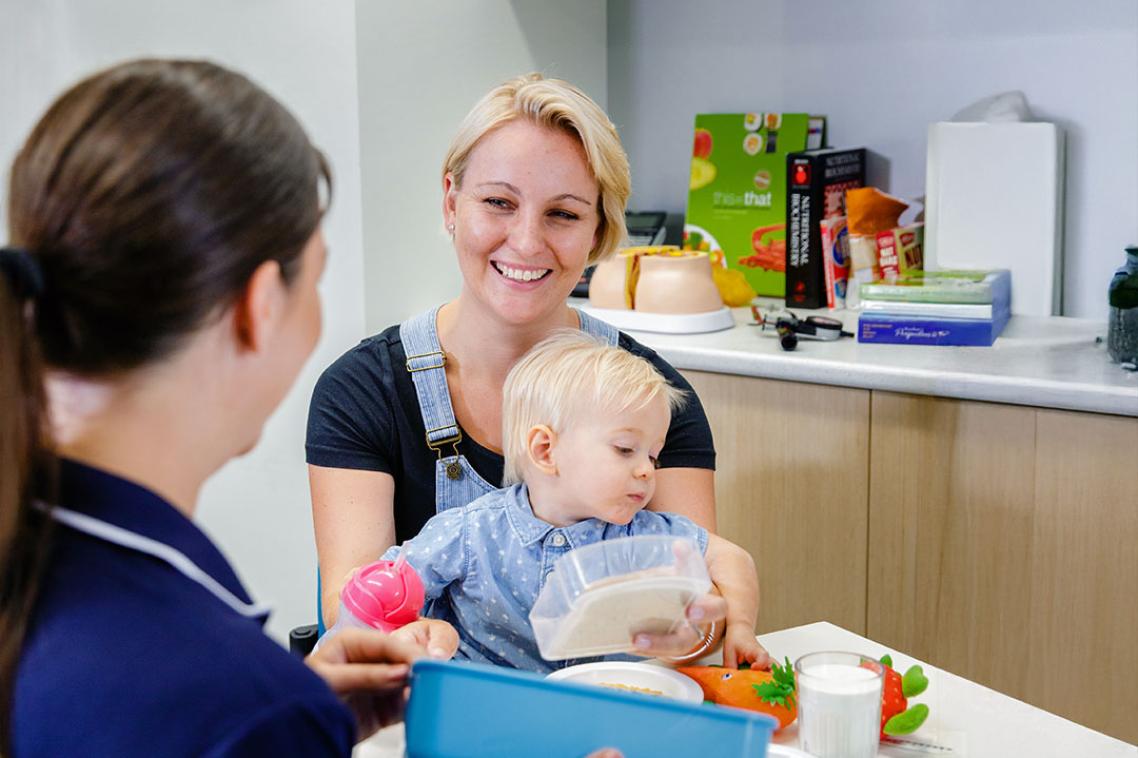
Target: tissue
(1005, 107)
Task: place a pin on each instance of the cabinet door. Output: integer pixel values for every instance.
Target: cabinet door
(1001, 548)
(1083, 616)
(791, 488)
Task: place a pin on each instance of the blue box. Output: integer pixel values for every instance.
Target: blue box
(466, 709)
(907, 329)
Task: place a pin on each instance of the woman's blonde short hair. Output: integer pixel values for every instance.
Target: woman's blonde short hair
(568, 374)
(556, 104)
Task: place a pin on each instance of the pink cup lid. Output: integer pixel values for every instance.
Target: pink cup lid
(385, 594)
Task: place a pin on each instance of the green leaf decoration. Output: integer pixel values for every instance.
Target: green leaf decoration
(908, 721)
(887, 660)
(780, 690)
(914, 682)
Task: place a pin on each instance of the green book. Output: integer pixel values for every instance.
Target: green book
(951, 286)
(736, 209)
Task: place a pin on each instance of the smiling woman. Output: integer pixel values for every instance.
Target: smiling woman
(409, 422)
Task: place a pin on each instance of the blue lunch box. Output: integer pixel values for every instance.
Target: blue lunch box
(466, 709)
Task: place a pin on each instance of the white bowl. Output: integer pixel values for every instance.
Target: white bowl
(647, 676)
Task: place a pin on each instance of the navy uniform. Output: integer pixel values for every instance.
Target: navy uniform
(143, 642)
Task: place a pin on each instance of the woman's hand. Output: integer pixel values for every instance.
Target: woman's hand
(700, 613)
(368, 670)
(433, 638)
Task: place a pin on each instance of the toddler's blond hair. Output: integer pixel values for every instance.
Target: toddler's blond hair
(567, 374)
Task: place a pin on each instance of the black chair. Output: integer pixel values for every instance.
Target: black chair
(302, 639)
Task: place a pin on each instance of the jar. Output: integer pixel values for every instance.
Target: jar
(1122, 326)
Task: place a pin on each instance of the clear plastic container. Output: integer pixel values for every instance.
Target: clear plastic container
(384, 595)
(600, 596)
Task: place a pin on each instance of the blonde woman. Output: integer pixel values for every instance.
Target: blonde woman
(409, 422)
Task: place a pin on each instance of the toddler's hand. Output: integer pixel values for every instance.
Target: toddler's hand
(435, 638)
(740, 645)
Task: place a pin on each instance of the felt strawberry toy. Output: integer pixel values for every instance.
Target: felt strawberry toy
(896, 715)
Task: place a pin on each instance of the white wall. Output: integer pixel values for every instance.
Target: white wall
(881, 72)
(257, 508)
(422, 66)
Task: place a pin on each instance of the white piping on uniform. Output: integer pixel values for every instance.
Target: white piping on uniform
(178, 560)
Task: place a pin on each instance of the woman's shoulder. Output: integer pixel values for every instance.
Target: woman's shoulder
(371, 356)
(673, 376)
(179, 662)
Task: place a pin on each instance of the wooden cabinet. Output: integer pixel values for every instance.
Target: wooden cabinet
(998, 542)
(791, 487)
(1006, 550)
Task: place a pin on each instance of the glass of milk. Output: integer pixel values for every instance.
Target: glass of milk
(839, 704)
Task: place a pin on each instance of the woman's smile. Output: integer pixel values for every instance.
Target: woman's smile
(519, 274)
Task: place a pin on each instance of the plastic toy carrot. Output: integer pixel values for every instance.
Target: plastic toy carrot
(770, 692)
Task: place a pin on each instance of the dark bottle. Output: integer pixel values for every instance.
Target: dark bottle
(1122, 328)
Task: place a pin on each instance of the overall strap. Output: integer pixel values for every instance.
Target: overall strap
(600, 329)
(426, 363)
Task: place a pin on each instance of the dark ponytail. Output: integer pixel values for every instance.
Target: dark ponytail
(146, 196)
(24, 475)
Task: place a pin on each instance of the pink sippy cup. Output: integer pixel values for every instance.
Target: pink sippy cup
(384, 595)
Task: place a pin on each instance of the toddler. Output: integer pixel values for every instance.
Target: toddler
(583, 422)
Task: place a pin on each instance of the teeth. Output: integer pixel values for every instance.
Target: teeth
(520, 275)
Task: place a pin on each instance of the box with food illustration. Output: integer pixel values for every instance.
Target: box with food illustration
(737, 195)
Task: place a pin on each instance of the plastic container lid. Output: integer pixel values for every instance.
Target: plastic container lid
(384, 595)
(600, 596)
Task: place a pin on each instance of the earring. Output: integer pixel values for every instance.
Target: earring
(450, 229)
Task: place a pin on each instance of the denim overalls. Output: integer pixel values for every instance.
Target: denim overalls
(456, 481)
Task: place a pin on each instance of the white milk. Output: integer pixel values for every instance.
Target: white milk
(839, 710)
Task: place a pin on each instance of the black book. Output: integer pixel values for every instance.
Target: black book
(816, 182)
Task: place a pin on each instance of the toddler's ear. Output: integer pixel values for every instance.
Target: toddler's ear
(540, 443)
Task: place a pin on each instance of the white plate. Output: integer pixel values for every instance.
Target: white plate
(648, 676)
(666, 323)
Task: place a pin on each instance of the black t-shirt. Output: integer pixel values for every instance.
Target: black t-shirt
(365, 415)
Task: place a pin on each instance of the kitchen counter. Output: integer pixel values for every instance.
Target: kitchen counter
(965, 718)
(1044, 362)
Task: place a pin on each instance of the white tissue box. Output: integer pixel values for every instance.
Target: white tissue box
(994, 199)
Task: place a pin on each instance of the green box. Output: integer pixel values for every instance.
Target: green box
(737, 193)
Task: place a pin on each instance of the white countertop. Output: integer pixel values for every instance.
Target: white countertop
(1045, 362)
(969, 719)
(974, 721)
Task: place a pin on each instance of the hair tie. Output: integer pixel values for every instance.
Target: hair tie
(23, 271)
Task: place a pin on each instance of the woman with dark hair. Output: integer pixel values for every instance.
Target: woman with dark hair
(157, 299)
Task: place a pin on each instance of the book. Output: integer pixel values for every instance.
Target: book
(816, 182)
(953, 286)
(898, 329)
(736, 209)
(930, 310)
(835, 259)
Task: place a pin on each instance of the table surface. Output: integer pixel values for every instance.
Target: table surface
(969, 718)
(1051, 362)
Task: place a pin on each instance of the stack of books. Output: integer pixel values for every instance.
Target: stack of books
(937, 308)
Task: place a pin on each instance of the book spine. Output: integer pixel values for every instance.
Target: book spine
(805, 285)
(884, 328)
(930, 310)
